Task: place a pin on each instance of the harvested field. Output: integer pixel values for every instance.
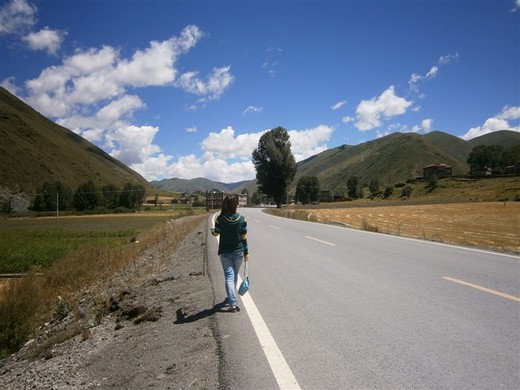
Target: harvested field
(493, 225)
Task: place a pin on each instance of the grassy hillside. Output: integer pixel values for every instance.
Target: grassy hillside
(35, 150)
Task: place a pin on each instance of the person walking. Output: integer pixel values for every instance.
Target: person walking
(232, 247)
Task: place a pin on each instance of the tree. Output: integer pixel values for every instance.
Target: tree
(373, 187)
(353, 188)
(111, 196)
(486, 156)
(308, 189)
(132, 196)
(388, 192)
(85, 197)
(274, 163)
(53, 196)
(433, 182)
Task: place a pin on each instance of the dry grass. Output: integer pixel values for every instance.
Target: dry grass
(493, 225)
(28, 302)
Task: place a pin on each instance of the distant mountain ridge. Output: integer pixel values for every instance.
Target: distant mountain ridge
(199, 184)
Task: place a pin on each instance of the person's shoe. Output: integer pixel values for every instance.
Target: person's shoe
(233, 309)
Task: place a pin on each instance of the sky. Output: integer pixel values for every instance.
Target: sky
(186, 88)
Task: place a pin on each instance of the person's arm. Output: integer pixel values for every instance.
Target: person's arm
(216, 230)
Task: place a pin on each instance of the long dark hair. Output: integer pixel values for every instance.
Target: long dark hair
(229, 205)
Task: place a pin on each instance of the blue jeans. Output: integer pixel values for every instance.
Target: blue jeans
(231, 263)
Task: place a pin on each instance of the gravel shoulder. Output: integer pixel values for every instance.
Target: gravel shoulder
(160, 332)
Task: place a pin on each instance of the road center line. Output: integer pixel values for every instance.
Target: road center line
(488, 290)
(281, 370)
(323, 242)
(274, 227)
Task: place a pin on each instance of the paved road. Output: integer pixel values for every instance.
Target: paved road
(351, 309)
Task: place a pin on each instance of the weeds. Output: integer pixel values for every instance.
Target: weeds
(52, 293)
(365, 225)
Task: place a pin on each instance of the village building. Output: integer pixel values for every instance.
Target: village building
(440, 170)
(214, 199)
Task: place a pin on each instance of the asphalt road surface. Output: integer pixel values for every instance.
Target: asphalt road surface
(336, 308)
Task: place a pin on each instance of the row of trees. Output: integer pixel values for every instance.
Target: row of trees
(57, 196)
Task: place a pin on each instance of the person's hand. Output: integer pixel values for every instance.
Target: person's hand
(246, 257)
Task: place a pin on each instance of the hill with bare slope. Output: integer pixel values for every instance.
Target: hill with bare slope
(35, 150)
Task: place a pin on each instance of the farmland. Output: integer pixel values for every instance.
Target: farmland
(40, 242)
(490, 225)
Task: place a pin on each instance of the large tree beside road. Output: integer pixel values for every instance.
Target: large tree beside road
(274, 163)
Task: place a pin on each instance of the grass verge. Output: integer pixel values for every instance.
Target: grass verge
(52, 292)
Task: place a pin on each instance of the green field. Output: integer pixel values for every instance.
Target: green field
(40, 242)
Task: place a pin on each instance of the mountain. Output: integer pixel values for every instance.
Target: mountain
(396, 157)
(196, 185)
(34, 150)
(390, 159)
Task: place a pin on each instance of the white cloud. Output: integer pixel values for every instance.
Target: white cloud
(348, 119)
(225, 145)
(370, 113)
(133, 144)
(415, 78)
(46, 39)
(219, 80)
(308, 142)
(87, 93)
(118, 109)
(338, 105)
(252, 109)
(191, 129)
(516, 7)
(16, 16)
(499, 122)
(10, 84)
(227, 157)
(91, 61)
(424, 127)
(271, 60)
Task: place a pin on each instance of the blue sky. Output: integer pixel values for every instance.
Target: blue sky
(186, 88)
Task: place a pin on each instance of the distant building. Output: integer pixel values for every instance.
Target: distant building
(476, 170)
(440, 170)
(326, 196)
(214, 199)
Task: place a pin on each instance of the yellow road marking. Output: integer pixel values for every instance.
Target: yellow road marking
(488, 290)
(323, 242)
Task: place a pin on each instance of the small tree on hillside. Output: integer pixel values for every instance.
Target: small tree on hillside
(274, 163)
(373, 187)
(353, 188)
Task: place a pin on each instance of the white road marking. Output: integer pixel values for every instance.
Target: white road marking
(488, 290)
(274, 227)
(281, 370)
(323, 242)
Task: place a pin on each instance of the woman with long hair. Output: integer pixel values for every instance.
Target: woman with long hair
(232, 247)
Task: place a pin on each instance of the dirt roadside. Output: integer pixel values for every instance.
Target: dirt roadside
(160, 334)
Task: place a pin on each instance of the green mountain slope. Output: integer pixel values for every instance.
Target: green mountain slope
(34, 150)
